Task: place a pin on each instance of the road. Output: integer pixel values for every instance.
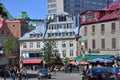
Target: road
(32, 75)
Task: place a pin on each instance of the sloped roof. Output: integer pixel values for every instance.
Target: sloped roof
(38, 30)
(113, 6)
(110, 13)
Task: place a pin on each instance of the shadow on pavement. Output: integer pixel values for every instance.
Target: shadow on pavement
(32, 75)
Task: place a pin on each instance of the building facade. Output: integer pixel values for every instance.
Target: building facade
(100, 30)
(63, 31)
(74, 6)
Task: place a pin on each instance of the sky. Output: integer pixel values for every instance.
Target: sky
(36, 9)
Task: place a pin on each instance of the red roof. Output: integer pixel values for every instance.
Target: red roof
(111, 10)
(113, 15)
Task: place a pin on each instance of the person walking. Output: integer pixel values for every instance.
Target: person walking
(24, 74)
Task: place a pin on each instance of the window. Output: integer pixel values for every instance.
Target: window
(85, 29)
(63, 34)
(63, 44)
(56, 34)
(63, 18)
(31, 35)
(38, 44)
(38, 35)
(49, 1)
(102, 27)
(103, 43)
(86, 44)
(113, 27)
(24, 45)
(64, 53)
(93, 43)
(71, 52)
(71, 43)
(113, 43)
(49, 34)
(93, 28)
(56, 43)
(31, 44)
(13, 25)
(72, 33)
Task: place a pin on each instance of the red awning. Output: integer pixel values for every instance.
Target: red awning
(33, 61)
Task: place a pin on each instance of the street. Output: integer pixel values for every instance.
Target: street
(32, 75)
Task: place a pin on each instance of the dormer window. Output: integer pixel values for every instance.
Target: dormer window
(62, 18)
(63, 34)
(31, 35)
(49, 34)
(38, 35)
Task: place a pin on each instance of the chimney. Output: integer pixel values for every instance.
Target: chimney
(106, 4)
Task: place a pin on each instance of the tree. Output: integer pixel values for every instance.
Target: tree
(83, 58)
(2, 12)
(66, 61)
(49, 52)
(10, 45)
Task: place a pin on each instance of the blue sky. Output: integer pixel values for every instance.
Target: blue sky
(36, 9)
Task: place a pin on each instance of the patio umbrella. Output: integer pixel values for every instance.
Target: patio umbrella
(98, 60)
(73, 63)
(84, 63)
(103, 60)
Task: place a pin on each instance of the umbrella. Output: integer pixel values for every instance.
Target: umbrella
(73, 63)
(84, 63)
(103, 60)
(98, 60)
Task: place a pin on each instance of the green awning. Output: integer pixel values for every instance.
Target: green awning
(91, 57)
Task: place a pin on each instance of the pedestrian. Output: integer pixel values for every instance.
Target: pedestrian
(24, 74)
(70, 68)
(12, 72)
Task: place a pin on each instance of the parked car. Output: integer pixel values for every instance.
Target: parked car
(99, 73)
(44, 73)
(116, 71)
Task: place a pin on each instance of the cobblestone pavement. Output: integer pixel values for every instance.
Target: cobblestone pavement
(55, 76)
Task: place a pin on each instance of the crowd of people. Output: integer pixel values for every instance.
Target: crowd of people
(14, 72)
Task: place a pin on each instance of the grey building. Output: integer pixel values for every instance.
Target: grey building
(74, 6)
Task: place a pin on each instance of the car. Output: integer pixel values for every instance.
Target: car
(98, 73)
(44, 73)
(116, 72)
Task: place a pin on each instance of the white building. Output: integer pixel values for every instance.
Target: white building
(64, 31)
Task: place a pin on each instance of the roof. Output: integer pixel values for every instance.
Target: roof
(110, 13)
(38, 30)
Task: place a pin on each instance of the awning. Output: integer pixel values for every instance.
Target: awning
(91, 57)
(33, 61)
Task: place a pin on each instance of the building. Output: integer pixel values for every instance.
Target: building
(74, 6)
(63, 31)
(32, 23)
(31, 47)
(11, 29)
(100, 30)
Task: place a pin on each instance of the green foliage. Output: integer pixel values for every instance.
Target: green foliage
(2, 13)
(66, 61)
(49, 52)
(84, 58)
(10, 45)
